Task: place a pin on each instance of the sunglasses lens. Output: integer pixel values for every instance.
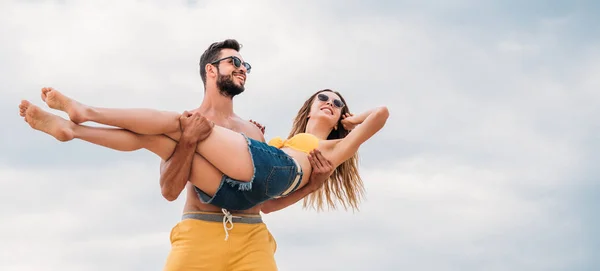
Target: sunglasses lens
(247, 66)
(236, 62)
(323, 97)
(338, 103)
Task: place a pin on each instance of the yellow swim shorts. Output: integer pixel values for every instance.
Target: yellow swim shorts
(220, 241)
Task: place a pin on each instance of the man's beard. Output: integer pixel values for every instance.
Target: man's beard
(227, 87)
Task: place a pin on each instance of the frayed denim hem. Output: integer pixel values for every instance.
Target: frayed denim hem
(244, 186)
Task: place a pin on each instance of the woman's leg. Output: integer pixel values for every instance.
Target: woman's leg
(204, 175)
(225, 149)
(228, 151)
(138, 120)
(116, 139)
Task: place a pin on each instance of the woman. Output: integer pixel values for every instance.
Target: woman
(236, 172)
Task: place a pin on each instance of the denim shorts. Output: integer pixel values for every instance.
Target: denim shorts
(276, 174)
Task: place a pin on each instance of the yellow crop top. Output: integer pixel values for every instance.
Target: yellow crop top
(303, 142)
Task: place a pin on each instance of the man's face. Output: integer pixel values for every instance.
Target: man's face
(231, 79)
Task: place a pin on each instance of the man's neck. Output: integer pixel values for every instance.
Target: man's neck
(217, 105)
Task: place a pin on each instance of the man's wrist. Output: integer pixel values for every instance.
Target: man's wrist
(311, 188)
(188, 140)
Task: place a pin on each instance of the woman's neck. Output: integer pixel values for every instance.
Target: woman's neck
(320, 131)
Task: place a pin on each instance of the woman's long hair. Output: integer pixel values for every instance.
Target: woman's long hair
(345, 185)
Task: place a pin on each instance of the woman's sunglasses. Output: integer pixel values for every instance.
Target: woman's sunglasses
(336, 102)
(237, 62)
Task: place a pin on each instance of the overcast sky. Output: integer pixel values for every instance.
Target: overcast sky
(489, 160)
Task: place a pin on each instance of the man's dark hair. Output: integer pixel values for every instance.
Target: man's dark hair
(212, 53)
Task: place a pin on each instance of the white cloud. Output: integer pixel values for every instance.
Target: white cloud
(104, 220)
(419, 208)
(455, 213)
(466, 175)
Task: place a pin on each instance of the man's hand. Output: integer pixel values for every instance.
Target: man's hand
(175, 171)
(260, 126)
(195, 127)
(321, 170)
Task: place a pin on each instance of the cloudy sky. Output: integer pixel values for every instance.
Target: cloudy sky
(489, 160)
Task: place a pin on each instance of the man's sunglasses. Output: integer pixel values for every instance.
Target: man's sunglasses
(336, 102)
(237, 62)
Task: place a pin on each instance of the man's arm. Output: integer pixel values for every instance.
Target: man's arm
(175, 171)
(321, 170)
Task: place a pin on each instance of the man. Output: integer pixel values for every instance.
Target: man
(209, 238)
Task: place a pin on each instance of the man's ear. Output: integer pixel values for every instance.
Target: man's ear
(211, 70)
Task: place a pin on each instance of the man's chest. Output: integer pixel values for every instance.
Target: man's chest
(247, 128)
(235, 126)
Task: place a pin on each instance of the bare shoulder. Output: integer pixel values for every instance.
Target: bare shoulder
(248, 128)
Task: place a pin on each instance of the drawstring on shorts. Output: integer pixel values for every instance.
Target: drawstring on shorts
(227, 218)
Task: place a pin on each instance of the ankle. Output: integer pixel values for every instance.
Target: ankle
(88, 114)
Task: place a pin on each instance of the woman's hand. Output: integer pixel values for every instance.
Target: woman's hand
(349, 121)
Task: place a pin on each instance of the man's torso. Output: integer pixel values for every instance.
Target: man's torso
(235, 124)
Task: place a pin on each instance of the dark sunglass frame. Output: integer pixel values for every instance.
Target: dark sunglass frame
(336, 102)
(237, 62)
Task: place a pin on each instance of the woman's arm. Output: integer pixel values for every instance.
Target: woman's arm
(367, 124)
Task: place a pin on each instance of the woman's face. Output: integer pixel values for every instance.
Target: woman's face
(327, 106)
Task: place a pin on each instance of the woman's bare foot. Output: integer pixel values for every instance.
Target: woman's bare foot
(48, 123)
(58, 101)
